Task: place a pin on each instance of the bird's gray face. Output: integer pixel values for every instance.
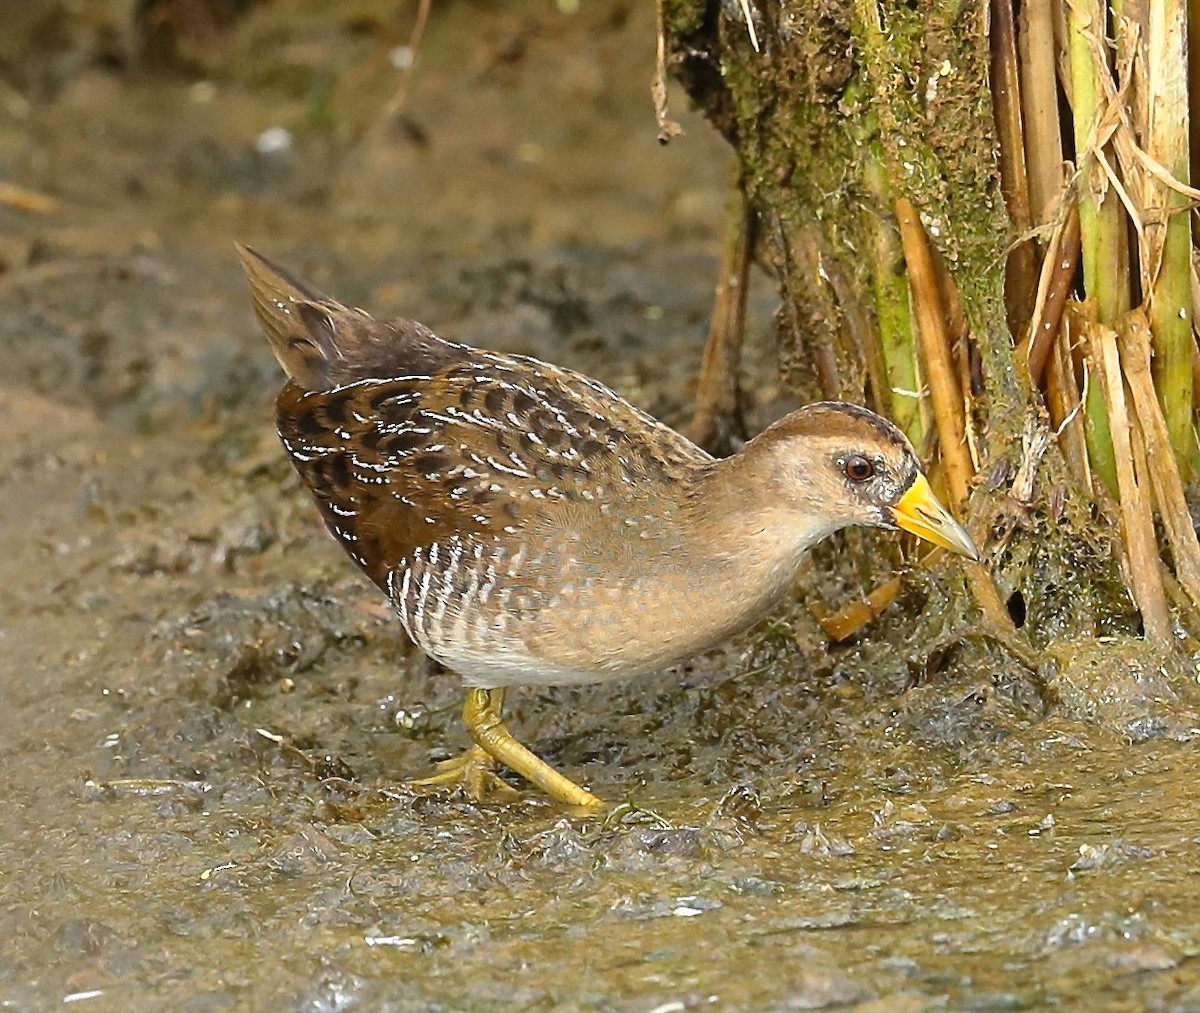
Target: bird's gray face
(838, 465)
(883, 486)
(897, 492)
(873, 480)
(834, 482)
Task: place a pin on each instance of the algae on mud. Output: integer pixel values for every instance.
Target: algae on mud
(836, 826)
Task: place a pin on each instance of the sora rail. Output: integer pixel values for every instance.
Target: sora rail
(530, 526)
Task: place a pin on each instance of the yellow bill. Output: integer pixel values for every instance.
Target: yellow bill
(920, 512)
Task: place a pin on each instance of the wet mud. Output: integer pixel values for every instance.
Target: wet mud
(208, 720)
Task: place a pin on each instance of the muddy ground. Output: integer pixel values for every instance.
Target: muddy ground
(208, 719)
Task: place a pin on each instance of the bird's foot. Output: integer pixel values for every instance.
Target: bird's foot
(473, 770)
(481, 713)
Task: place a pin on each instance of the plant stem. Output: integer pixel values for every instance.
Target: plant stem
(1137, 516)
(893, 313)
(1101, 223)
(1039, 107)
(1171, 296)
(945, 394)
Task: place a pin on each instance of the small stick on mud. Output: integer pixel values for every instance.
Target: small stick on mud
(853, 616)
(29, 201)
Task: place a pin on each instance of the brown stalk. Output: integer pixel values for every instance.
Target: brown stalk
(948, 405)
(945, 396)
(717, 386)
(1006, 105)
(957, 329)
(1164, 473)
(958, 333)
(1039, 107)
(1022, 266)
(1054, 285)
(1137, 518)
(996, 618)
(1063, 399)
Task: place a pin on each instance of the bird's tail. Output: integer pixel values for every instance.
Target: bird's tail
(314, 337)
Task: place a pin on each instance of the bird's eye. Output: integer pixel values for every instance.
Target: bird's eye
(858, 468)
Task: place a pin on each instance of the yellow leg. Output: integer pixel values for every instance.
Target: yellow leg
(481, 713)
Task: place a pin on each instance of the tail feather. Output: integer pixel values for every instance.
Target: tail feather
(312, 335)
(322, 344)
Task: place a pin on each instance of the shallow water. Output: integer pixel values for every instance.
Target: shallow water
(208, 718)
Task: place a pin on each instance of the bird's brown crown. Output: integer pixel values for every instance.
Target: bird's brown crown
(840, 420)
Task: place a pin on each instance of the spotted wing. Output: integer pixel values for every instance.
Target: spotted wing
(399, 464)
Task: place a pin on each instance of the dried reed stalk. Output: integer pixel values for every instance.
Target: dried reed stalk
(1143, 564)
(1022, 266)
(1165, 478)
(945, 396)
(1041, 132)
(1054, 285)
(1064, 399)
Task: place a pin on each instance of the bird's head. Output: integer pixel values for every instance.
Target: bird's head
(835, 464)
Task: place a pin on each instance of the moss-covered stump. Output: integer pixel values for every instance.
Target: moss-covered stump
(837, 110)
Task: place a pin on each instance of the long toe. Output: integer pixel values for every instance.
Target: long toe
(474, 772)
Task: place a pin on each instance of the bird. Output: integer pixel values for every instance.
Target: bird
(530, 526)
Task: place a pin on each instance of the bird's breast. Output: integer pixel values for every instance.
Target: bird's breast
(568, 610)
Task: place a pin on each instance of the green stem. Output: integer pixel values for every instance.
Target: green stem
(1171, 324)
(1171, 296)
(893, 313)
(1101, 224)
